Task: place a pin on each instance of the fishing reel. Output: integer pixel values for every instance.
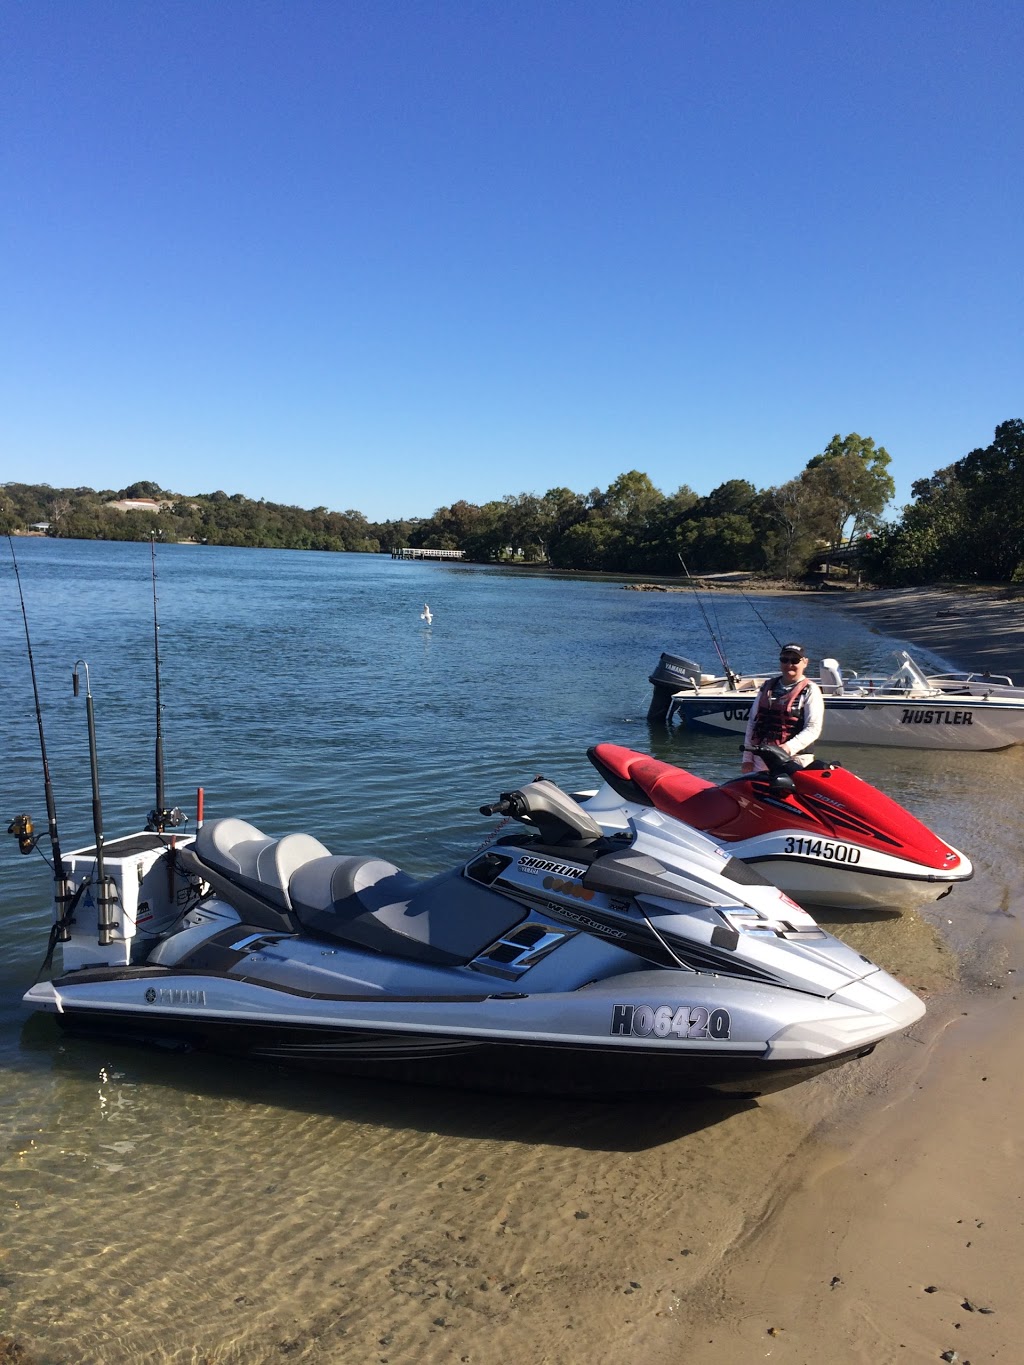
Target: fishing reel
(24, 831)
(165, 819)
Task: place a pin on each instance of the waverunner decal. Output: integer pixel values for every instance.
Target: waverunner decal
(664, 1021)
(822, 848)
(529, 864)
(585, 921)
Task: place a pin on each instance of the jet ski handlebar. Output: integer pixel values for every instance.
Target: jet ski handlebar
(774, 756)
(557, 817)
(780, 767)
(505, 805)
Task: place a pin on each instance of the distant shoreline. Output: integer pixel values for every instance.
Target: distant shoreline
(977, 629)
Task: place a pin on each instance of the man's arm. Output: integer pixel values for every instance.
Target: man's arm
(748, 735)
(814, 718)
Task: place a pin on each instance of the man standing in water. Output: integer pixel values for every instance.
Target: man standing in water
(789, 711)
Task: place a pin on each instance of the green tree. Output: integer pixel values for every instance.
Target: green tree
(631, 499)
(592, 544)
(967, 520)
(448, 528)
(849, 484)
(719, 535)
(560, 510)
(789, 527)
(665, 531)
(993, 482)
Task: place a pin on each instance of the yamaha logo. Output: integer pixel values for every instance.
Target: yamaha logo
(173, 995)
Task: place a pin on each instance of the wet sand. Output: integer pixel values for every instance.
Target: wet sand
(899, 1238)
(974, 628)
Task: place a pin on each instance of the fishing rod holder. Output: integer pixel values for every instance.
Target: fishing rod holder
(106, 893)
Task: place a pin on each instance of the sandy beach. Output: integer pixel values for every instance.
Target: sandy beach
(974, 628)
(901, 1240)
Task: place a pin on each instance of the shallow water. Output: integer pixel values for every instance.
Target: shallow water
(183, 1209)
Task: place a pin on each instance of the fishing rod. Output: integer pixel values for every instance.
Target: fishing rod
(730, 675)
(760, 618)
(159, 816)
(21, 826)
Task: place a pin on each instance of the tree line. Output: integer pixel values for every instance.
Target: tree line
(967, 520)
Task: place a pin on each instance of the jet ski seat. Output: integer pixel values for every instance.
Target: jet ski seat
(346, 886)
(369, 903)
(255, 860)
(650, 781)
(363, 901)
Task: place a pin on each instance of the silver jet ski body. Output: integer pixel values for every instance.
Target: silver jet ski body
(558, 959)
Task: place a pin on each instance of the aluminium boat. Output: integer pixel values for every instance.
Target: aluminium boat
(908, 709)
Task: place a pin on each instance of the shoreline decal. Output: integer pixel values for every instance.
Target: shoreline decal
(531, 864)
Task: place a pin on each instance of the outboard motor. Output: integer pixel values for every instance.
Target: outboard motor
(672, 674)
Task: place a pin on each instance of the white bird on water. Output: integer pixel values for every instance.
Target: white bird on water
(426, 614)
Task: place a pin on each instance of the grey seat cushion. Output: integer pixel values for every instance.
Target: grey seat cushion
(254, 859)
(370, 903)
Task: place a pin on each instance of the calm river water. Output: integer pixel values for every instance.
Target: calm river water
(180, 1209)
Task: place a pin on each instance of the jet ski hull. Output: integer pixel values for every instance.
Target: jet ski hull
(613, 1039)
(820, 884)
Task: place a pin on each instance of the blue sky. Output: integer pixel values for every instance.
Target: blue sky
(385, 254)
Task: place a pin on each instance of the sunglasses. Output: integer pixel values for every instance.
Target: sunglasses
(790, 658)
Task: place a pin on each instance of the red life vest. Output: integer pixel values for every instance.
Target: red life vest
(779, 718)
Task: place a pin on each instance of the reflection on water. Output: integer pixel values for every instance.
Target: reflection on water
(173, 1208)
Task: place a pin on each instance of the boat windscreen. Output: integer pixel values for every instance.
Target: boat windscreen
(909, 678)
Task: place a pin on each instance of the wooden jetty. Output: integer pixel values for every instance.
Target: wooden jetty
(427, 554)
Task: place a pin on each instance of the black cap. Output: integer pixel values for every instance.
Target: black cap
(793, 649)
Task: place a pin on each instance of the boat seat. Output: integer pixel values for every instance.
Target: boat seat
(369, 903)
(256, 860)
(831, 678)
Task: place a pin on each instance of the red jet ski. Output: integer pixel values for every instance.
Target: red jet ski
(823, 835)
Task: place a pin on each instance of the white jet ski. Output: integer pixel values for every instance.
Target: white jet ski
(822, 834)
